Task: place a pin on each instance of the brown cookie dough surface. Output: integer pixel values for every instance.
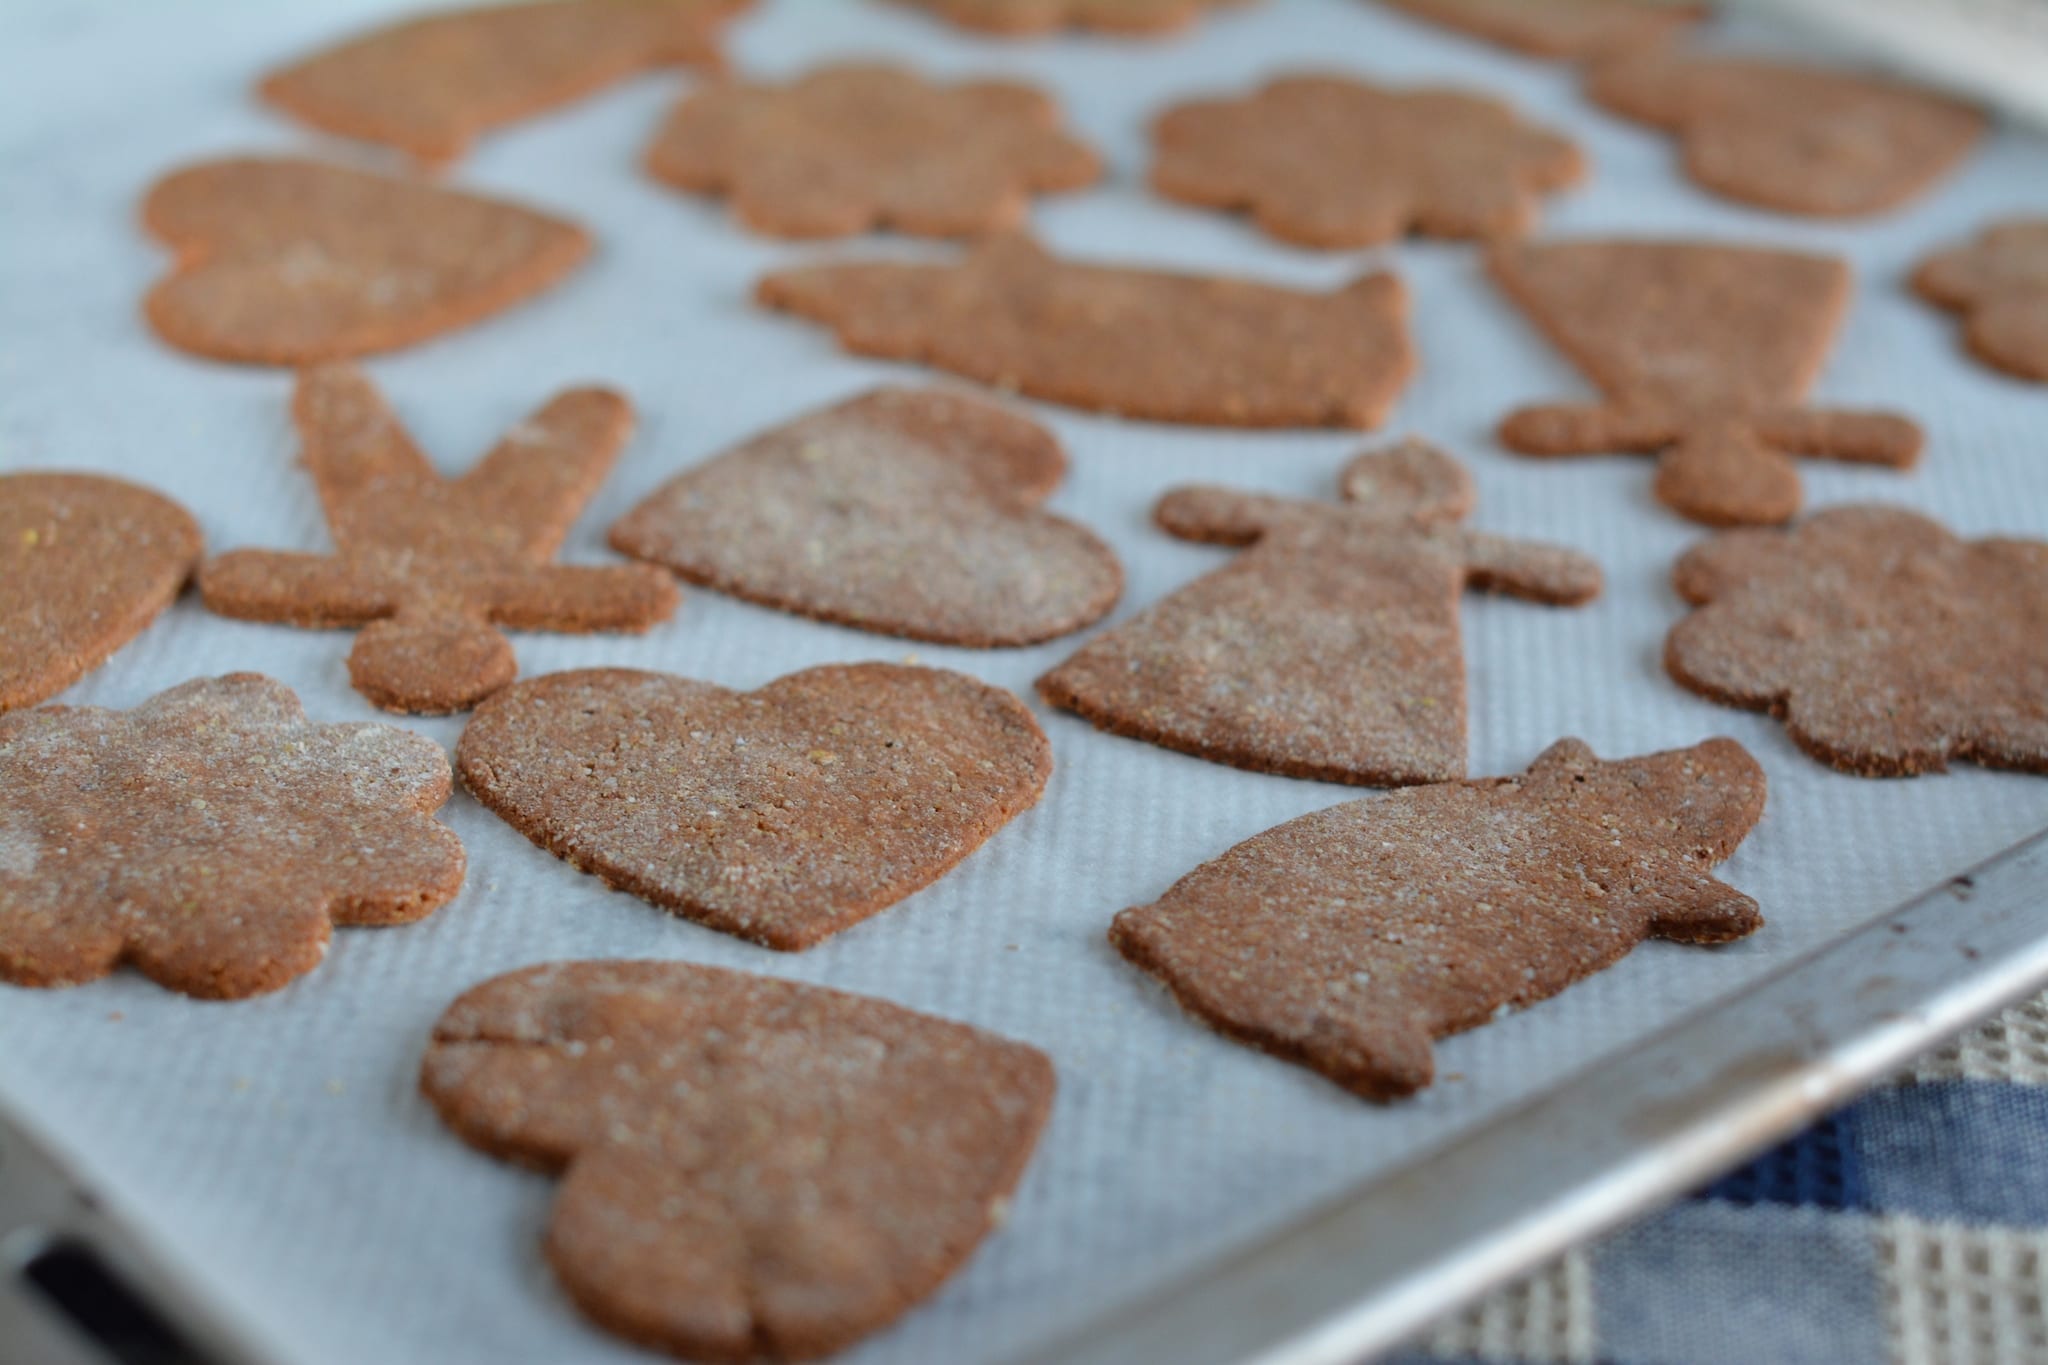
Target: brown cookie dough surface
(430, 85)
(1799, 139)
(1348, 939)
(855, 147)
(430, 568)
(292, 262)
(1025, 18)
(1886, 644)
(86, 563)
(210, 838)
(1704, 352)
(1330, 648)
(750, 1168)
(1565, 30)
(912, 512)
(1327, 161)
(1135, 343)
(781, 815)
(1998, 281)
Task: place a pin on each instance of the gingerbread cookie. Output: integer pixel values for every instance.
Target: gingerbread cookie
(1887, 645)
(1328, 161)
(1328, 649)
(429, 568)
(1023, 18)
(86, 563)
(781, 815)
(1136, 343)
(907, 511)
(1799, 139)
(1999, 283)
(751, 1169)
(850, 148)
(1564, 30)
(1704, 352)
(211, 838)
(430, 85)
(1348, 939)
(289, 262)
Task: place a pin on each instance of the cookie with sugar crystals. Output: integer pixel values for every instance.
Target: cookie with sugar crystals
(1148, 344)
(281, 261)
(86, 563)
(1026, 18)
(432, 569)
(1565, 30)
(855, 147)
(1349, 939)
(1998, 281)
(1328, 161)
(1799, 139)
(429, 85)
(211, 837)
(750, 1168)
(781, 815)
(1330, 647)
(911, 512)
(1887, 644)
(1704, 352)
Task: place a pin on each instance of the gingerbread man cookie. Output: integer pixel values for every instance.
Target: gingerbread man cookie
(1026, 18)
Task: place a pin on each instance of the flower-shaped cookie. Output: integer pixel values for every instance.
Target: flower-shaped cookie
(1333, 162)
(1999, 283)
(1888, 645)
(850, 148)
(211, 837)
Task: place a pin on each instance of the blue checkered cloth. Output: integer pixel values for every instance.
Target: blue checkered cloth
(1911, 1226)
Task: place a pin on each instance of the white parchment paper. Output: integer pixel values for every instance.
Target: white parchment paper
(279, 1146)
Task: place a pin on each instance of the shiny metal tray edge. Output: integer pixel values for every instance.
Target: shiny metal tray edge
(1368, 1269)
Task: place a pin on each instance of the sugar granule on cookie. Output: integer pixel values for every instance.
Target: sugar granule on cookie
(1998, 281)
(855, 147)
(430, 569)
(1348, 939)
(912, 512)
(781, 815)
(210, 838)
(1886, 644)
(1564, 30)
(750, 1168)
(1025, 18)
(1330, 647)
(1135, 343)
(1328, 161)
(86, 563)
(429, 85)
(1704, 353)
(291, 262)
(1800, 139)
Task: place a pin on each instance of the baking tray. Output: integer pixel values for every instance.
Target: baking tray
(273, 1156)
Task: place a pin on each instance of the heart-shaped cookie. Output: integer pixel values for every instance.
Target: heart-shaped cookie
(781, 815)
(85, 564)
(751, 1169)
(291, 262)
(911, 512)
